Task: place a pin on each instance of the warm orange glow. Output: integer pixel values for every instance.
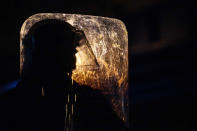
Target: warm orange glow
(75, 98)
(102, 79)
(68, 98)
(106, 42)
(42, 91)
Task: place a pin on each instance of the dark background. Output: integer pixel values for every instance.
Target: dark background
(162, 54)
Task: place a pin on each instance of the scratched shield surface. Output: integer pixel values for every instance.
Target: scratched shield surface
(107, 40)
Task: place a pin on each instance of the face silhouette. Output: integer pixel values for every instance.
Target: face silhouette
(54, 49)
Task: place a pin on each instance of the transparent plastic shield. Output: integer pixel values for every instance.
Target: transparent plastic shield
(101, 58)
(85, 57)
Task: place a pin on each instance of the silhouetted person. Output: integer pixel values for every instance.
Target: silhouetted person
(52, 47)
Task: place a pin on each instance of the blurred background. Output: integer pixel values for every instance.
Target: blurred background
(162, 51)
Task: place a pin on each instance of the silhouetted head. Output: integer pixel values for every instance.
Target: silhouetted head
(53, 48)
